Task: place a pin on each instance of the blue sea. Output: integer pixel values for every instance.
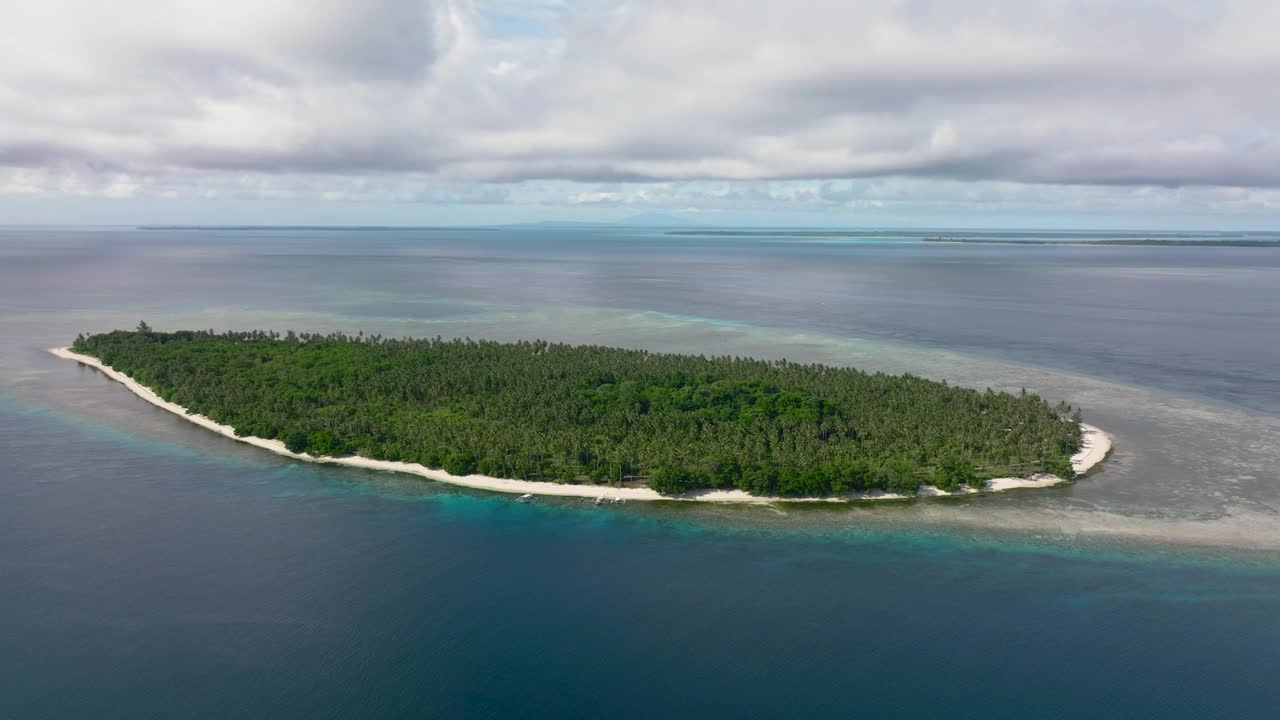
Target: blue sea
(149, 568)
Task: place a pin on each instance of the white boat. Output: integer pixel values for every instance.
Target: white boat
(527, 498)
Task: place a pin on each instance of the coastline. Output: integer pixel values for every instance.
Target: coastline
(1096, 444)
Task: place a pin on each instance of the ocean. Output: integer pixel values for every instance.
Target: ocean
(149, 568)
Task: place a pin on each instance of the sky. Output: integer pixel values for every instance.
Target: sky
(878, 113)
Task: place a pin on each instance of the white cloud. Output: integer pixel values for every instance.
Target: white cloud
(684, 103)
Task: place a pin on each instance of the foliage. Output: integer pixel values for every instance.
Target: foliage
(544, 411)
(954, 472)
(672, 480)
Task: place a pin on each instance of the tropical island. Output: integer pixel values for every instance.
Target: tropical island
(592, 420)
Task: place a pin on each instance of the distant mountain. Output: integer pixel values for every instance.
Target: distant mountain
(656, 220)
(558, 224)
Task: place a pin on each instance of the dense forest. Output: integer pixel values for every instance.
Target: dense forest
(587, 414)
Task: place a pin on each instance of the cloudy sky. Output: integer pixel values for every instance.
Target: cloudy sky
(1079, 113)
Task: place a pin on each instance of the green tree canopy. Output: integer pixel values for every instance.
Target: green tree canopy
(536, 410)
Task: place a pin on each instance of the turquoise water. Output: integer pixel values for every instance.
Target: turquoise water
(152, 569)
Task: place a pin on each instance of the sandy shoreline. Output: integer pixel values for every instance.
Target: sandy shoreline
(1095, 447)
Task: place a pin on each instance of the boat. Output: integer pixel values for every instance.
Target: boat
(527, 498)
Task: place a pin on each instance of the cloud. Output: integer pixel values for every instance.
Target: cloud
(447, 93)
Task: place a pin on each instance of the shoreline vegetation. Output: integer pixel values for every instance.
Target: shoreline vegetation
(430, 399)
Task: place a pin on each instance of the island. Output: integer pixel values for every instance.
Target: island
(559, 419)
(1123, 242)
(1042, 238)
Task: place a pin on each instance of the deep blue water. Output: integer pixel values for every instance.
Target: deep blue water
(152, 569)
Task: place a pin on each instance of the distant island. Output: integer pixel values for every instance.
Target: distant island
(317, 228)
(792, 232)
(592, 420)
(1040, 238)
(1136, 242)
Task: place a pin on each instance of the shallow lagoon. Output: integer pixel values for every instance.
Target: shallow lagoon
(152, 567)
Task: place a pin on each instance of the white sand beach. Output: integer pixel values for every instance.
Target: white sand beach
(1095, 447)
